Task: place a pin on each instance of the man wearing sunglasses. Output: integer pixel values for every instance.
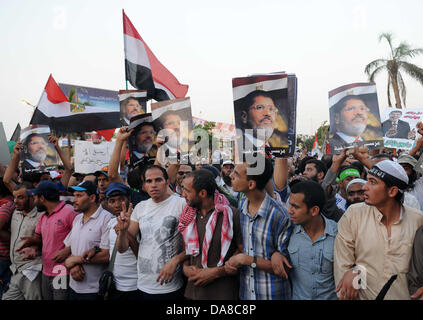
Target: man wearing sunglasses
(182, 172)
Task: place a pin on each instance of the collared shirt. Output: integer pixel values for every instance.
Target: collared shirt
(348, 139)
(312, 262)
(53, 229)
(22, 226)
(341, 203)
(7, 206)
(363, 240)
(85, 236)
(268, 231)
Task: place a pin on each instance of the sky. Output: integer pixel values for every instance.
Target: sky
(326, 43)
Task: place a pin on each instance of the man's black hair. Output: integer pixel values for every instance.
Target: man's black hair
(203, 179)
(134, 178)
(153, 166)
(399, 197)
(327, 160)
(302, 164)
(314, 195)
(249, 98)
(381, 155)
(4, 191)
(263, 178)
(320, 166)
(27, 185)
(359, 166)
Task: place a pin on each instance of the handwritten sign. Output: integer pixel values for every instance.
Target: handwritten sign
(90, 157)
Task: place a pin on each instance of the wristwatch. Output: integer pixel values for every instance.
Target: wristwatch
(254, 263)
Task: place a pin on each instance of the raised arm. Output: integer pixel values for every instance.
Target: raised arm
(11, 168)
(65, 160)
(121, 138)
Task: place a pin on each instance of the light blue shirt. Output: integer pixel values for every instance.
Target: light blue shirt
(312, 272)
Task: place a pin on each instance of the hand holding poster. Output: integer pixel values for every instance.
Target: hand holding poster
(132, 103)
(399, 127)
(38, 155)
(264, 115)
(90, 157)
(354, 117)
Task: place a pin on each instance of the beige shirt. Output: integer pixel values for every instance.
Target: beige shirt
(363, 240)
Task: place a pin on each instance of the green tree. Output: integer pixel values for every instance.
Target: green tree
(394, 65)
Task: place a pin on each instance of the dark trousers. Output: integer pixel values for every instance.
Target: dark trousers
(117, 295)
(48, 290)
(75, 296)
(5, 275)
(177, 295)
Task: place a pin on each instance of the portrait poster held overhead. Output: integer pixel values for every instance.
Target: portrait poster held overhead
(132, 103)
(38, 155)
(399, 127)
(354, 117)
(263, 114)
(142, 147)
(173, 122)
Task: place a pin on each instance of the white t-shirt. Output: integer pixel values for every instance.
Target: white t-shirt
(418, 191)
(160, 241)
(125, 268)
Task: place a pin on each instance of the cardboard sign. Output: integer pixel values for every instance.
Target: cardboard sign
(354, 117)
(38, 155)
(90, 157)
(399, 127)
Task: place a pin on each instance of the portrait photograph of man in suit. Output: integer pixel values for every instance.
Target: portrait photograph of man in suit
(396, 128)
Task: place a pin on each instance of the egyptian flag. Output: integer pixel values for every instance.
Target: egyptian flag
(144, 71)
(316, 149)
(55, 110)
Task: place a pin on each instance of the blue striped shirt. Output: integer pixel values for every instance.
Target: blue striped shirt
(268, 231)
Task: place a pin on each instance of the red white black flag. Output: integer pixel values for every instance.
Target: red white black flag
(144, 71)
(55, 110)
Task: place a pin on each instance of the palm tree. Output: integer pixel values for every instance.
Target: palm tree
(396, 63)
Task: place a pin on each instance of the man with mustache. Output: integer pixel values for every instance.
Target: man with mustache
(130, 108)
(351, 119)
(35, 147)
(142, 140)
(259, 113)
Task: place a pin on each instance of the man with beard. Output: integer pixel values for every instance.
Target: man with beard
(355, 192)
(130, 108)
(25, 283)
(315, 170)
(346, 174)
(415, 186)
(52, 228)
(36, 152)
(351, 119)
(143, 149)
(88, 242)
(215, 227)
(259, 113)
(226, 181)
(376, 237)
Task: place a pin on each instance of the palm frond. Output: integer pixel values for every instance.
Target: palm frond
(372, 66)
(401, 49)
(388, 36)
(376, 72)
(412, 70)
(402, 88)
(411, 53)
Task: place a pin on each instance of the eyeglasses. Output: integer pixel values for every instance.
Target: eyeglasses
(260, 107)
(181, 173)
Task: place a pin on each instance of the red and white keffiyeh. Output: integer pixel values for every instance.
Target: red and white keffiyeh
(188, 228)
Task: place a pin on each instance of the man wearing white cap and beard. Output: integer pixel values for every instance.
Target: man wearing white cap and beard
(355, 192)
(375, 238)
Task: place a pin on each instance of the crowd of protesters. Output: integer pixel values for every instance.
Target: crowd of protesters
(346, 226)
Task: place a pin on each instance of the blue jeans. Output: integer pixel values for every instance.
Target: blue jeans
(5, 275)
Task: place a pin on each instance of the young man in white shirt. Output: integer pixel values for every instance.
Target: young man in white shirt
(160, 250)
